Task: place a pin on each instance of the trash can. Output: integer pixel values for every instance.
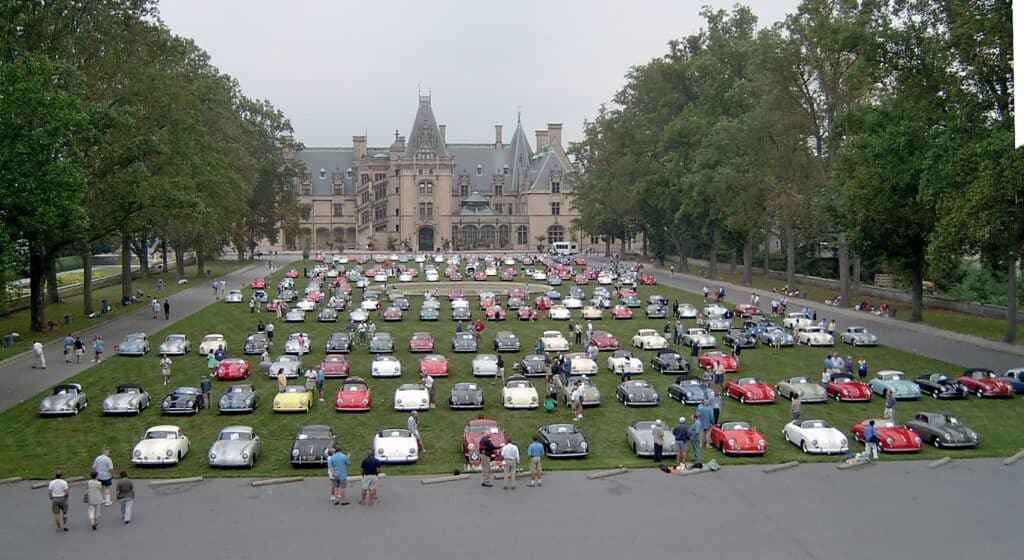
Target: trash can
(67, 319)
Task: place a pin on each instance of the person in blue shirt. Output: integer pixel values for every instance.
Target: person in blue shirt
(320, 380)
(706, 415)
(870, 440)
(535, 452)
(337, 471)
(695, 434)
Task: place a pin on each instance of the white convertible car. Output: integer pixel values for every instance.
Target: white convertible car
(814, 336)
(485, 365)
(395, 445)
(306, 304)
(623, 361)
(234, 296)
(161, 445)
(555, 341)
(297, 343)
(686, 311)
(519, 392)
(573, 303)
(412, 396)
(581, 364)
(796, 320)
(815, 437)
(559, 313)
(385, 365)
(649, 339)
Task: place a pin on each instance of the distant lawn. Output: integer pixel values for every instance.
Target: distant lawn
(34, 446)
(19, 321)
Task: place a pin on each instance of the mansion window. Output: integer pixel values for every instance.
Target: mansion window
(380, 212)
(366, 197)
(323, 173)
(595, 239)
(380, 176)
(339, 190)
(364, 218)
(498, 208)
(556, 234)
(364, 178)
(380, 193)
(398, 228)
(522, 235)
(498, 191)
(426, 210)
(306, 190)
(337, 209)
(505, 170)
(479, 170)
(556, 208)
(426, 188)
(556, 187)
(510, 209)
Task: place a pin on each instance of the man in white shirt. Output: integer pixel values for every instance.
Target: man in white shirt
(37, 351)
(310, 376)
(59, 500)
(104, 468)
(510, 455)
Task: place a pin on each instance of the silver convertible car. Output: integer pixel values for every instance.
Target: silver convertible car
(176, 345)
(67, 399)
(236, 446)
(127, 400)
(640, 438)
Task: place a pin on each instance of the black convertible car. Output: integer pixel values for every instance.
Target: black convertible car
(563, 441)
(311, 445)
(183, 400)
(670, 362)
(938, 386)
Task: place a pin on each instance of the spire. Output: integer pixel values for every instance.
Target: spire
(425, 137)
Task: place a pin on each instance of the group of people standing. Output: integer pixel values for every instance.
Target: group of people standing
(337, 473)
(74, 348)
(98, 490)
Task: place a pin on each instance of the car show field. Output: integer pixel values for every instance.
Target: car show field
(35, 444)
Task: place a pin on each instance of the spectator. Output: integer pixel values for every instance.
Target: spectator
(658, 432)
(794, 408)
(337, 467)
(428, 384)
(890, 406)
(862, 368)
(59, 493)
(165, 369)
(282, 381)
(207, 388)
(125, 497)
(716, 404)
(320, 380)
(487, 451)
(155, 307)
(167, 309)
(682, 436)
(706, 415)
(706, 292)
(695, 434)
(510, 457)
(310, 377)
(501, 371)
(93, 499)
(79, 349)
(219, 354)
(270, 332)
(694, 349)
(40, 358)
(871, 440)
(104, 469)
(97, 348)
(370, 469)
(413, 425)
(69, 347)
(536, 453)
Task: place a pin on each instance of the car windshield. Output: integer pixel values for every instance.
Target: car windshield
(161, 434)
(334, 359)
(433, 358)
(421, 336)
(129, 390)
(393, 433)
(212, 338)
(735, 426)
(892, 376)
(812, 424)
(387, 358)
(519, 384)
(235, 436)
(240, 389)
(697, 332)
(747, 381)
(953, 420)
(839, 380)
(186, 391)
(646, 332)
(176, 338)
(487, 358)
(562, 429)
(355, 387)
(639, 384)
(798, 380)
(410, 387)
(670, 356)
(939, 377)
(288, 358)
(294, 389)
(131, 338)
(464, 336)
(482, 429)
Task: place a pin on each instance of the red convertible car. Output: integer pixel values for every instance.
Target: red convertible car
(434, 365)
(746, 310)
(564, 275)
(273, 304)
(314, 297)
(480, 276)
(711, 359)
(985, 383)
(233, 369)
(516, 293)
(526, 314)
(625, 292)
(486, 302)
(604, 340)
(891, 438)
(738, 438)
(393, 314)
(335, 365)
(354, 396)
(750, 390)
(844, 388)
(622, 312)
(580, 261)
(543, 303)
(455, 293)
(421, 342)
(648, 280)
(495, 313)
(259, 283)
(475, 431)
(508, 275)
(581, 280)
(292, 273)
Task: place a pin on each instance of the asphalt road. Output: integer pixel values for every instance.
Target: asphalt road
(899, 510)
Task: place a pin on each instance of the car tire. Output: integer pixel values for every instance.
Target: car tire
(935, 395)
(980, 393)
(785, 436)
(837, 398)
(803, 446)
(937, 442)
(743, 399)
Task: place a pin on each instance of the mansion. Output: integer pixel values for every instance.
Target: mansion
(425, 194)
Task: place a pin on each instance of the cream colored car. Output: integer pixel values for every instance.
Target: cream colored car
(649, 339)
(590, 312)
(211, 342)
(555, 341)
(519, 392)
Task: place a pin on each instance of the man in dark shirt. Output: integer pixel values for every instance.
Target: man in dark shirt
(371, 470)
(487, 450)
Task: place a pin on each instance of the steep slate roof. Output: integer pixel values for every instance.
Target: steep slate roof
(424, 128)
(544, 162)
(330, 160)
(519, 160)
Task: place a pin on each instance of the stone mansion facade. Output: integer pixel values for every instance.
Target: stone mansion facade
(425, 194)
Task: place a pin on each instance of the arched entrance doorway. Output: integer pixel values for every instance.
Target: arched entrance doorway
(426, 238)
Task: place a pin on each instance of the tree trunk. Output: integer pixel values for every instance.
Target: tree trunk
(200, 264)
(179, 261)
(748, 257)
(52, 288)
(684, 265)
(163, 254)
(916, 294)
(607, 246)
(645, 244)
(855, 292)
(1011, 304)
(766, 269)
(126, 268)
(87, 281)
(36, 278)
(713, 255)
(790, 256)
(732, 260)
(844, 271)
(141, 250)
(622, 252)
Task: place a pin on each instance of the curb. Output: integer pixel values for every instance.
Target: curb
(780, 467)
(1014, 458)
(11, 479)
(171, 481)
(269, 481)
(939, 462)
(606, 474)
(70, 481)
(449, 478)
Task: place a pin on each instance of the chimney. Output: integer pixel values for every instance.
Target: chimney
(441, 128)
(555, 133)
(359, 147)
(497, 137)
(542, 138)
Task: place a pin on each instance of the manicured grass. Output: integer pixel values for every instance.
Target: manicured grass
(34, 446)
(19, 321)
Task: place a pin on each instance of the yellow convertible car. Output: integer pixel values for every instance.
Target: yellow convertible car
(295, 398)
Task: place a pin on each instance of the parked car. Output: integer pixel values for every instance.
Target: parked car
(591, 394)
(134, 344)
(738, 438)
(624, 362)
(327, 315)
(533, 365)
(943, 430)
(335, 365)
(844, 388)
(637, 392)
(485, 365)
(813, 335)
(338, 342)
(464, 342)
(395, 445)
(983, 382)
(421, 342)
(750, 390)
(649, 339)
(298, 343)
(66, 399)
(311, 444)
(175, 345)
(800, 386)
(896, 381)
(233, 296)
(689, 390)
(183, 400)
(412, 396)
(604, 340)
(938, 386)
(161, 445)
(429, 314)
(294, 398)
(686, 311)
(354, 395)
(1015, 377)
(287, 362)
(715, 358)
(235, 446)
(295, 315)
(385, 365)
(775, 336)
(381, 343)
(741, 337)
(466, 396)
(815, 437)
(506, 341)
(232, 369)
(794, 321)
(555, 341)
(519, 392)
(699, 336)
(128, 399)
(858, 336)
(475, 431)
(256, 344)
(891, 437)
(563, 441)
(640, 438)
(669, 362)
(238, 399)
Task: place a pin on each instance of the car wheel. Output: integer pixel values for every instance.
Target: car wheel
(785, 436)
(743, 399)
(935, 395)
(980, 393)
(803, 446)
(837, 398)
(937, 442)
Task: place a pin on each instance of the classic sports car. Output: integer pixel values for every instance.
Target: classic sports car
(359, 316)
(134, 344)
(592, 313)
(295, 398)
(434, 365)
(335, 365)
(183, 400)
(772, 336)
(858, 336)
(259, 283)
(559, 313)
(637, 393)
(688, 389)
(466, 396)
(1015, 377)
(604, 340)
(940, 387)
(298, 343)
(533, 365)
(815, 437)
(506, 341)
(519, 392)
(311, 445)
(412, 396)
(338, 342)
(327, 315)
(256, 343)
(656, 311)
(902, 388)
(515, 304)
(647, 280)
(370, 302)
(640, 438)
(176, 345)
(475, 430)
(354, 395)
(713, 358)
(591, 394)
(234, 296)
(495, 313)
(669, 362)
(385, 365)
(129, 399)
(65, 400)
(526, 314)
(238, 398)
(563, 441)
(382, 343)
(741, 337)
(393, 314)
(621, 312)
(716, 323)
(844, 388)
(814, 335)
(700, 336)
(161, 445)
(738, 438)
(983, 383)
(290, 364)
(807, 391)
(746, 310)
(401, 303)
(623, 361)
(649, 339)
(395, 445)
(795, 321)
(211, 343)
(554, 341)
(686, 311)
(295, 315)
(750, 390)
(421, 342)
(572, 303)
(233, 369)
(943, 430)
(485, 365)
(891, 438)
(631, 301)
(581, 364)
(292, 273)
(429, 314)
(236, 446)
(464, 342)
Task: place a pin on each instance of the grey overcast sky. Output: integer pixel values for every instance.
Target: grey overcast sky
(342, 68)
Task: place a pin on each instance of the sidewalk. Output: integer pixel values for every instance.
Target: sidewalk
(19, 381)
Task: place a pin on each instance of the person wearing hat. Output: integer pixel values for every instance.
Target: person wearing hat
(681, 433)
(658, 431)
(207, 388)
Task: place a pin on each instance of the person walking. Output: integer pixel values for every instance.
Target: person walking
(428, 384)
(658, 431)
(720, 375)
(362, 332)
(695, 434)
(862, 369)
(706, 292)
(270, 331)
(681, 434)
(578, 332)
(794, 408)
(97, 348)
(219, 354)
(500, 372)
(93, 499)
(154, 306)
(40, 358)
(413, 425)
(535, 451)
(211, 362)
(310, 376)
(510, 457)
(321, 379)
(69, 348)
(706, 415)
(487, 451)
(370, 469)
(338, 467)
(167, 309)
(79, 349)
(890, 406)
(125, 497)
(165, 369)
(871, 440)
(104, 469)
(716, 404)
(207, 389)
(59, 493)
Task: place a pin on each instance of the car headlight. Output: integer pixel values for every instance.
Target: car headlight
(412, 451)
(133, 402)
(138, 453)
(761, 443)
(732, 444)
(213, 456)
(165, 404)
(302, 402)
(917, 440)
(553, 446)
(974, 435)
(842, 442)
(295, 452)
(947, 436)
(889, 441)
(170, 452)
(583, 445)
(750, 395)
(380, 451)
(814, 443)
(190, 403)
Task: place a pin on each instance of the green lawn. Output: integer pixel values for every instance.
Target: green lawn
(19, 321)
(34, 446)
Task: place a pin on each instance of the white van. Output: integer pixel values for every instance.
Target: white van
(564, 248)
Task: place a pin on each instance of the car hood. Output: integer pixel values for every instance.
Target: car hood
(118, 400)
(312, 446)
(180, 400)
(226, 450)
(902, 386)
(399, 446)
(57, 401)
(175, 346)
(745, 439)
(643, 393)
(150, 447)
(900, 436)
(232, 400)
